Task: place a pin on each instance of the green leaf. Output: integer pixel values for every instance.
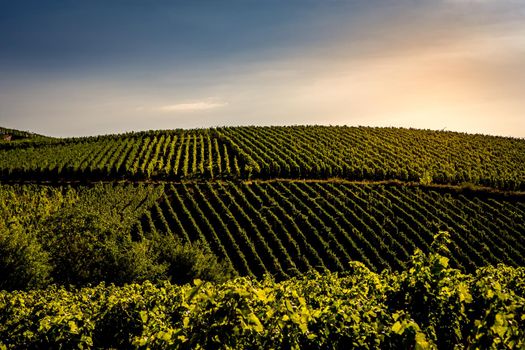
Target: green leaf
(421, 342)
(261, 295)
(398, 328)
(73, 328)
(256, 324)
(443, 261)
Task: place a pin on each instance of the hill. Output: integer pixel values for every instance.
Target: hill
(307, 152)
(7, 135)
(285, 200)
(287, 227)
(332, 230)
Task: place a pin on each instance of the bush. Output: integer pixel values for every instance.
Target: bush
(82, 249)
(23, 263)
(186, 261)
(86, 249)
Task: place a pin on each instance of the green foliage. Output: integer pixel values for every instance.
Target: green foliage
(357, 309)
(23, 262)
(125, 233)
(185, 262)
(84, 249)
(320, 152)
(80, 236)
(426, 178)
(290, 227)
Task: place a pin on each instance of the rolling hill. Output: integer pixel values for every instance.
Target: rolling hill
(345, 214)
(307, 152)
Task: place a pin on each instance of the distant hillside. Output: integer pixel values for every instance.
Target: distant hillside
(13, 134)
(309, 152)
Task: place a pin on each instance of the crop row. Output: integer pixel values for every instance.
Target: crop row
(359, 309)
(355, 153)
(170, 155)
(380, 154)
(287, 227)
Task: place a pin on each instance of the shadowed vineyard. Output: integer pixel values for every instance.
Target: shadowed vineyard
(283, 228)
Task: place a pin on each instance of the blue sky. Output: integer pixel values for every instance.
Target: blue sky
(71, 68)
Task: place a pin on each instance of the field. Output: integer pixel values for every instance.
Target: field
(353, 153)
(287, 227)
(301, 222)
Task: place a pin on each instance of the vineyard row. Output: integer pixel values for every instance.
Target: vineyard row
(354, 153)
(284, 228)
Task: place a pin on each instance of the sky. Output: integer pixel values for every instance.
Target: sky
(87, 67)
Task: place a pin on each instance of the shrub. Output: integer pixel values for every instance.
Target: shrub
(187, 261)
(23, 263)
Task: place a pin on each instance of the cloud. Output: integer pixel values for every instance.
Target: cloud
(192, 106)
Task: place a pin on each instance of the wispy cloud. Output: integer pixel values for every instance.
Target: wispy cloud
(192, 106)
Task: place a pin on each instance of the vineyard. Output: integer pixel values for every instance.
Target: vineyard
(359, 309)
(287, 227)
(161, 155)
(307, 237)
(352, 153)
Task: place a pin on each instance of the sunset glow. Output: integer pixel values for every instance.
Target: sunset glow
(454, 65)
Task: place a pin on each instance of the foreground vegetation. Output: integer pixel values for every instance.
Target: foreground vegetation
(354, 153)
(427, 306)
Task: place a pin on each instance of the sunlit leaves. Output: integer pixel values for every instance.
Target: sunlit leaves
(359, 309)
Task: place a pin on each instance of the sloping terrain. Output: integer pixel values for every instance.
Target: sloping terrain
(7, 136)
(352, 153)
(286, 227)
(285, 200)
(346, 223)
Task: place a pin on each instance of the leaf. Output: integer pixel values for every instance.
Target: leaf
(166, 336)
(182, 338)
(464, 293)
(253, 320)
(421, 342)
(144, 316)
(398, 328)
(289, 306)
(261, 295)
(73, 328)
(443, 261)
(303, 326)
(499, 330)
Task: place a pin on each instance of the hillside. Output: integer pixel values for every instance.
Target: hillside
(10, 135)
(352, 153)
(308, 220)
(286, 227)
